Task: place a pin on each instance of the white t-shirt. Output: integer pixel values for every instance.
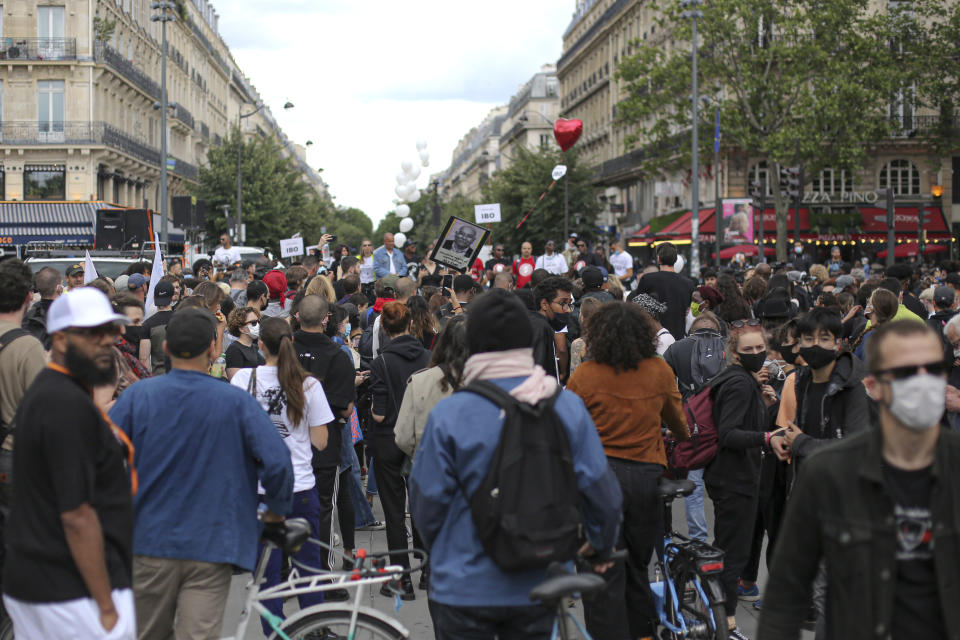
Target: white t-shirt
(664, 340)
(555, 264)
(621, 262)
(226, 256)
(273, 400)
(366, 270)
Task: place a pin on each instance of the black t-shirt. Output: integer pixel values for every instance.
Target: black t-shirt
(913, 303)
(675, 291)
(326, 361)
(586, 260)
(338, 290)
(505, 265)
(240, 356)
(814, 412)
(916, 604)
(65, 456)
(159, 319)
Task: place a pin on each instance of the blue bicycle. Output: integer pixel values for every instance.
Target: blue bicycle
(687, 589)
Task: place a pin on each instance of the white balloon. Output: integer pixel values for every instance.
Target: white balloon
(401, 191)
(414, 196)
(421, 145)
(411, 189)
(403, 211)
(401, 177)
(424, 157)
(425, 164)
(678, 265)
(399, 239)
(406, 165)
(413, 174)
(407, 223)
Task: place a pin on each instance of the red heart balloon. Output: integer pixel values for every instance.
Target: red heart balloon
(567, 132)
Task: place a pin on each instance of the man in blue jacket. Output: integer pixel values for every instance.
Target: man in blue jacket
(469, 593)
(388, 259)
(201, 447)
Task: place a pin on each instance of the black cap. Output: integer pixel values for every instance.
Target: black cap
(943, 296)
(498, 321)
(592, 277)
(74, 269)
(190, 332)
(163, 293)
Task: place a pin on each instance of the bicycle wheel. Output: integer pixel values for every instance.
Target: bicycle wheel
(700, 608)
(337, 623)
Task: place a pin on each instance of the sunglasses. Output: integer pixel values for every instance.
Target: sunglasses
(899, 373)
(740, 324)
(96, 332)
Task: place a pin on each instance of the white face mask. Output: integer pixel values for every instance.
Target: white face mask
(956, 353)
(254, 331)
(918, 401)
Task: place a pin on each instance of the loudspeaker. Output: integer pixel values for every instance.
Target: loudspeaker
(182, 211)
(136, 228)
(109, 229)
(200, 214)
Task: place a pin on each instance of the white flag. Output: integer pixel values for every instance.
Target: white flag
(89, 271)
(155, 274)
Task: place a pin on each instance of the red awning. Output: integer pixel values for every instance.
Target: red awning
(904, 220)
(910, 249)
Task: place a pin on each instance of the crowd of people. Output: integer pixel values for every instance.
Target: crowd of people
(151, 425)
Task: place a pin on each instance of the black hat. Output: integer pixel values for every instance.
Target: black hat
(190, 332)
(943, 296)
(592, 278)
(163, 293)
(776, 306)
(74, 269)
(498, 321)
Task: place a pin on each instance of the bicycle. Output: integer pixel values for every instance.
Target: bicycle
(688, 594)
(564, 584)
(328, 620)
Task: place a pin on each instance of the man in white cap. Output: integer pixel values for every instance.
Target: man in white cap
(68, 572)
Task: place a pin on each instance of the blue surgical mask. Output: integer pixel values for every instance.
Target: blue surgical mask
(346, 331)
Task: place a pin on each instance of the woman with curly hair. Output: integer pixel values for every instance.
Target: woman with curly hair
(321, 285)
(423, 324)
(630, 392)
(734, 306)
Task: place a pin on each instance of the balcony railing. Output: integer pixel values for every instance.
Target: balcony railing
(38, 49)
(182, 168)
(106, 54)
(911, 126)
(204, 129)
(181, 114)
(22, 134)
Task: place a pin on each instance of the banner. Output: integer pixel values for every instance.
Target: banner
(89, 271)
(738, 221)
(291, 247)
(156, 273)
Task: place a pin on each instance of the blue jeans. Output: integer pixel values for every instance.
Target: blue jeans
(306, 505)
(696, 518)
(362, 513)
(371, 476)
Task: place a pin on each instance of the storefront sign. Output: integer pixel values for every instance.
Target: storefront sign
(847, 197)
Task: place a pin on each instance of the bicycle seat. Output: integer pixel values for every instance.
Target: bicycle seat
(676, 488)
(562, 583)
(289, 535)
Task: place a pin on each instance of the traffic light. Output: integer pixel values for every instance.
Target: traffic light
(756, 190)
(791, 183)
(926, 216)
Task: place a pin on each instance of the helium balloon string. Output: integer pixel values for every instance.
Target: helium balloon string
(542, 195)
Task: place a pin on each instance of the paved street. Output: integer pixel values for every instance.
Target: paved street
(414, 615)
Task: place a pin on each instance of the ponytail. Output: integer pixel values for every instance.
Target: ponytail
(277, 337)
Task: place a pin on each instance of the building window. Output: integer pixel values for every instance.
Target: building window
(760, 173)
(50, 25)
(832, 181)
(902, 176)
(45, 182)
(544, 140)
(50, 110)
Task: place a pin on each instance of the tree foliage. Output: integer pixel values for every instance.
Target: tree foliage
(796, 82)
(276, 201)
(518, 188)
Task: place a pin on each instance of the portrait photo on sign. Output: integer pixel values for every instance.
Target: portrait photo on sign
(459, 244)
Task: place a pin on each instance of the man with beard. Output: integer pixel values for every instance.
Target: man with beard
(70, 532)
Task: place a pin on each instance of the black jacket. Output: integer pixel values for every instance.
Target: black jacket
(741, 418)
(846, 407)
(35, 321)
(544, 348)
(841, 514)
(389, 372)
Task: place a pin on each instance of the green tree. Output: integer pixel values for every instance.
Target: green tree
(796, 83)
(350, 225)
(518, 188)
(276, 201)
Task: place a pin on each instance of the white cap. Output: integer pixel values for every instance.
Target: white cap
(82, 307)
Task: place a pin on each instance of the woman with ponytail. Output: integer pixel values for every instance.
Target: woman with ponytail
(298, 408)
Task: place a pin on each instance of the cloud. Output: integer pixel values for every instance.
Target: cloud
(371, 78)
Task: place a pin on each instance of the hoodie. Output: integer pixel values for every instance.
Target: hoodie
(398, 360)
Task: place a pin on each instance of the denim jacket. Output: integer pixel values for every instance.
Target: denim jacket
(381, 262)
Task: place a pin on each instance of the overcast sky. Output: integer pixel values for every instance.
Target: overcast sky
(370, 78)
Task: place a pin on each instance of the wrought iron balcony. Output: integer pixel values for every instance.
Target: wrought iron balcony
(181, 114)
(911, 126)
(38, 49)
(23, 134)
(204, 129)
(104, 53)
(182, 168)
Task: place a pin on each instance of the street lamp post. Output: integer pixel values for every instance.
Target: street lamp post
(566, 182)
(240, 117)
(163, 18)
(693, 14)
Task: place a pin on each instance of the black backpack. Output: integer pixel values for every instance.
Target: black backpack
(527, 508)
(6, 456)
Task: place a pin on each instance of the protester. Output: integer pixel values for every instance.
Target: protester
(655, 310)
(238, 286)
(226, 254)
(881, 309)
(732, 478)
(69, 536)
(869, 510)
(244, 325)
(74, 275)
(423, 324)
(943, 299)
(48, 284)
(276, 287)
(629, 393)
(622, 263)
(154, 329)
(497, 263)
(21, 355)
(389, 374)
(198, 474)
(733, 305)
(299, 411)
(583, 258)
(524, 266)
(552, 300)
(469, 594)
(578, 348)
(671, 288)
(387, 260)
(257, 295)
(552, 262)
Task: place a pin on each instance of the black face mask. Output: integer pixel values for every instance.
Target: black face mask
(752, 362)
(788, 355)
(817, 357)
(559, 321)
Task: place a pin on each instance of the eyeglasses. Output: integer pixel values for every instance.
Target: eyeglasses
(740, 324)
(101, 331)
(938, 368)
(563, 303)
